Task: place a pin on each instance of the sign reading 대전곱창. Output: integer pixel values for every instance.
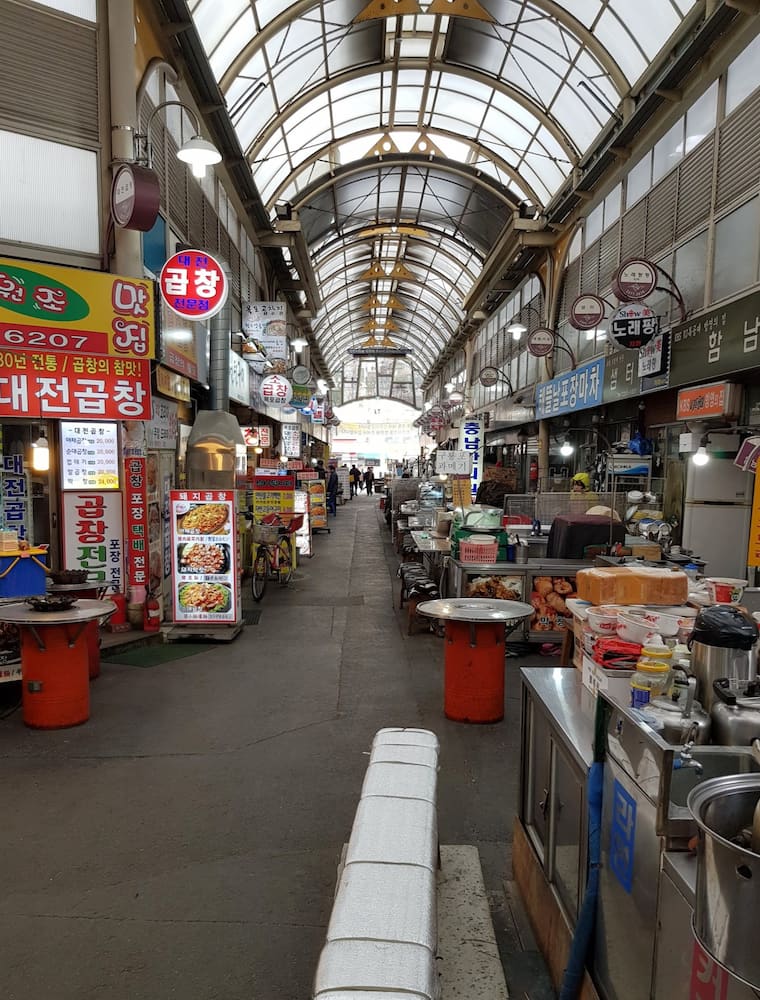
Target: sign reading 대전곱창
(44, 307)
(193, 284)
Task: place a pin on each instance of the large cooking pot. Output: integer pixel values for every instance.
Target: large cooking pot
(728, 876)
(722, 645)
(735, 713)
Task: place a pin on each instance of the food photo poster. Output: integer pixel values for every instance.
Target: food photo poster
(203, 556)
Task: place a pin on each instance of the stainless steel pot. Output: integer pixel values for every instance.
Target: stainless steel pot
(710, 663)
(728, 876)
(735, 713)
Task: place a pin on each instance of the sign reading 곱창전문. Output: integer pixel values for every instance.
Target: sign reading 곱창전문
(575, 390)
(66, 310)
(193, 284)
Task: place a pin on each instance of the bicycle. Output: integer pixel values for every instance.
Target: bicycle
(271, 552)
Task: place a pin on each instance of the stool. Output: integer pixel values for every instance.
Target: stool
(423, 590)
(409, 573)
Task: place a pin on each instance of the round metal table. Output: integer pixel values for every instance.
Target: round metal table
(55, 682)
(93, 592)
(475, 636)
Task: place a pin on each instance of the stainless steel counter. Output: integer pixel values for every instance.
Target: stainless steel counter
(568, 704)
(681, 869)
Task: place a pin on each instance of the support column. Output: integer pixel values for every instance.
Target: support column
(543, 452)
(121, 57)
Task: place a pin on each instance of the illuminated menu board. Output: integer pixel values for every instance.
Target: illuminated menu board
(89, 455)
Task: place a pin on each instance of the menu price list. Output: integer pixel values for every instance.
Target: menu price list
(204, 557)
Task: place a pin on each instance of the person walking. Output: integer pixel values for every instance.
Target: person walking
(354, 479)
(333, 483)
(369, 479)
(321, 471)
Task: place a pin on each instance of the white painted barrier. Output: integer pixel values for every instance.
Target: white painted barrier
(382, 937)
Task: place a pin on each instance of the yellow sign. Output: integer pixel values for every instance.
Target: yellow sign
(461, 491)
(753, 550)
(172, 384)
(66, 310)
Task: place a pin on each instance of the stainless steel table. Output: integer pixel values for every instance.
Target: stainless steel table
(475, 637)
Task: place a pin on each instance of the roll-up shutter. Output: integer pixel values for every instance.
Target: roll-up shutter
(50, 75)
(634, 231)
(739, 152)
(590, 268)
(661, 215)
(609, 254)
(570, 289)
(695, 188)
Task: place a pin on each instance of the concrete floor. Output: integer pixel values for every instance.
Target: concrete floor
(184, 842)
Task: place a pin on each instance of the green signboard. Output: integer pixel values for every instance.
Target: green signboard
(717, 343)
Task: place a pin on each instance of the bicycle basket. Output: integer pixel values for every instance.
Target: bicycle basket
(265, 533)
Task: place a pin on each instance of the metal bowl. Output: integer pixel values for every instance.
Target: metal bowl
(54, 603)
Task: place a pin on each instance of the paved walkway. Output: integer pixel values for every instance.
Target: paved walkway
(184, 842)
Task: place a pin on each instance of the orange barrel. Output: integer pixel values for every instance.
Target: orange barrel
(92, 636)
(55, 680)
(474, 671)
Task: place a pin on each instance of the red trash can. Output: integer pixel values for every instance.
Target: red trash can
(55, 688)
(474, 671)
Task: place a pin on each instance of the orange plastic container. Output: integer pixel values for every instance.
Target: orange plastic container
(632, 585)
(474, 673)
(55, 680)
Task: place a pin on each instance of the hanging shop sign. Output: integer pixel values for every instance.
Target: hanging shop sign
(653, 356)
(290, 441)
(161, 430)
(14, 497)
(204, 558)
(635, 280)
(587, 312)
(541, 342)
(276, 390)
(193, 284)
(720, 342)
(257, 436)
(181, 343)
(719, 399)
(89, 455)
(265, 323)
(317, 411)
(135, 197)
(172, 384)
(472, 440)
(453, 463)
(136, 503)
(621, 371)
(301, 375)
(633, 325)
(301, 396)
(66, 310)
(575, 390)
(92, 536)
(58, 386)
(239, 386)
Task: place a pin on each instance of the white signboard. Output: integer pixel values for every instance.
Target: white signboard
(650, 357)
(204, 555)
(161, 429)
(276, 390)
(265, 322)
(290, 440)
(89, 455)
(453, 463)
(239, 379)
(471, 440)
(93, 536)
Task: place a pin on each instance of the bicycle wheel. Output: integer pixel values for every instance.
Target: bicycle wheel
(260, 572)
(284, 560)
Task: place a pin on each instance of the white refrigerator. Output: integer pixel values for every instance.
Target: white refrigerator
(717, 512)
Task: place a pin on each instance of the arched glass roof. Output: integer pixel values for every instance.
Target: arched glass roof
(439, 118)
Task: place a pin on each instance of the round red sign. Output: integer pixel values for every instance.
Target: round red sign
(587, 312)
(635, 280)
(193, 284)
(541, 342)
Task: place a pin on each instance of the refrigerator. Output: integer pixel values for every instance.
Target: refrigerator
(717, 512)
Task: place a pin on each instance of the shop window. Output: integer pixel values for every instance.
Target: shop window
(736, 250)
(668, 151)
(575, 247)
(154, 246)
(639, 180)
(701, 116)
(690, 270)
(742, 77)
(84, 9)
(612, 206)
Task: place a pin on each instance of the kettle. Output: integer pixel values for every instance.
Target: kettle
(722, 644)
(735, 713)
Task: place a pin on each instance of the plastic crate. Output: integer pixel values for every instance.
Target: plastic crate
(26, 578)
(469, 552)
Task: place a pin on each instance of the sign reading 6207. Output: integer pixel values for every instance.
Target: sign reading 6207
(52, 340)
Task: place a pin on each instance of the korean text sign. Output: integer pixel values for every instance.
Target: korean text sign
(69, 311)
(204, 556)
(136, 498)
(92, 536)
(471, 440)
(193, 284)
(575, 390)
(453, 463)
(63, 386)
(14, 496)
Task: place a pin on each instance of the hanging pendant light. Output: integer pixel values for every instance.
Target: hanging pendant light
(41, 453)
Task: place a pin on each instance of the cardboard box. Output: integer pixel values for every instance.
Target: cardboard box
(615, 682)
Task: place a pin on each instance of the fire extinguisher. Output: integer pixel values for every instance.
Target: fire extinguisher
(533, 473)
(119, 617)
(151, 614)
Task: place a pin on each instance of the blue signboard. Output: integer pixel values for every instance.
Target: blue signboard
(575, 390)
(622, 836)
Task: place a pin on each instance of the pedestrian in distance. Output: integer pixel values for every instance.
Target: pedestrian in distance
(333, 484)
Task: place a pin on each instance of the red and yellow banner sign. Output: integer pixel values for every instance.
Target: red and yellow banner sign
(60, 386)
(44, 307)
(136, 503)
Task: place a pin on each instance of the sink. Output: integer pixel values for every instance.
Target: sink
(717, 762)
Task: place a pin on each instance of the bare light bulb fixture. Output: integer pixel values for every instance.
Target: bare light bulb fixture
(299, 344)
(41, 453)
(566, 449)
(700, 456)
(517, 330)
(456, 397)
